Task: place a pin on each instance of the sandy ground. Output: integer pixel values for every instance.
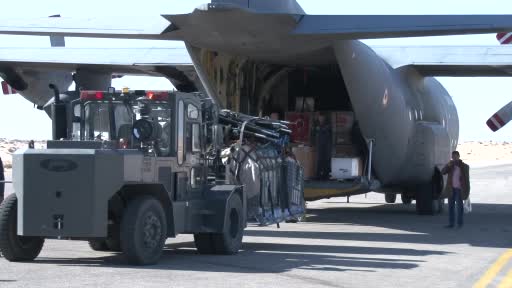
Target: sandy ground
(486, 153)
(474, 153)
(7, 147)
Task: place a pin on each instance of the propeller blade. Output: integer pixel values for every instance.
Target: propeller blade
(501, 118)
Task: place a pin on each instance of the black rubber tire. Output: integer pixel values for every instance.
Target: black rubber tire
(229, 241)
(407, 200)
(390, 198)
(99, 245)
(13, 247)
(113, 240)
(425, 204)
(204, 243)
(144, 216)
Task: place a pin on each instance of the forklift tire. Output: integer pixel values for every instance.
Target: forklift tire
(98, 245)
(204, 243)
(113, 240)
(390, 198)
(228, 242)
(143, 231)
(13, 247)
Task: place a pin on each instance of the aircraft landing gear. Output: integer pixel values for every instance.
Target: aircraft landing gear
(428, 196)
(406, 199)
(390, 198)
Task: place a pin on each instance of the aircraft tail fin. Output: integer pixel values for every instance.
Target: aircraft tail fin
(504, 38)
(7, 89)
(500, 118)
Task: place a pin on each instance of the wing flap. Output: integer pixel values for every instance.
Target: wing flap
(97, 27)
(390, 26)
(463, 61)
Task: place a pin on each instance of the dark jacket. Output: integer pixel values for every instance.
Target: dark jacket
(464, 179)
(2, 178)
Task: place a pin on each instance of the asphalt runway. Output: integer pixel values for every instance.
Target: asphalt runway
(365, 243)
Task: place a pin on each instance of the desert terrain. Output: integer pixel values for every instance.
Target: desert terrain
(477, 153)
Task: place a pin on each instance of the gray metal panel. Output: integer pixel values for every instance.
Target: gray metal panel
(73, 185)
(133, 167)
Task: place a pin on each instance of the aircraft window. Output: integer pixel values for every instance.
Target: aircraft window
(196, 140)
(97, 124)
(421, 115)
(76, 124)
(410, 115)
(192, 112)
(181, 148)
(415, 114)
(195, 178)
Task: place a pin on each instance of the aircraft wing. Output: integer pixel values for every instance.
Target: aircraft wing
(463, 61)
(172, 63)
(242, 23)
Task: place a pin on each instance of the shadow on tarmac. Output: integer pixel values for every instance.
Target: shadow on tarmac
(266, 258)
(489, 225)
(278, 257)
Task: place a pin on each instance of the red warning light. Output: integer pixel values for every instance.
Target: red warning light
(91, 95)
(157, 95)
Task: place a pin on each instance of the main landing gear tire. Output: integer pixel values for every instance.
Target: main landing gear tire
(407, 200)
(390, 198)
(143, 230)
(428, 201)
(13, 247)
(230, 240)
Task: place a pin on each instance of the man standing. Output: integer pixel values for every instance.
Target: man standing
(457, 189)
(322, 139)
(2, 178)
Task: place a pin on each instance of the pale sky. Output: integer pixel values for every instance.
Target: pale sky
(476, 98)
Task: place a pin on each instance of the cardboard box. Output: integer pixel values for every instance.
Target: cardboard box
(300, 126)
(344, 138)
(306, 156)
(345, 151)
(342, 122)
(346, 168)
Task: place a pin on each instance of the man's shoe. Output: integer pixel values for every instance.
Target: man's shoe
(449, 226)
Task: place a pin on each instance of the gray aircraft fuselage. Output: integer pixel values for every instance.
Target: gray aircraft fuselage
(412, 118)
(250, 55)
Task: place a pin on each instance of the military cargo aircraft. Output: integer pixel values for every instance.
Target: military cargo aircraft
(266, 56)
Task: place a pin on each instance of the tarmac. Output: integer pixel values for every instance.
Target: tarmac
(364, 243)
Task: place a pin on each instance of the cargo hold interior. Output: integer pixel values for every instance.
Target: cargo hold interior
(300, 97)
(298, 90)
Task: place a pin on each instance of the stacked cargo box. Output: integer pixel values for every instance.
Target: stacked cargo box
(345, 162)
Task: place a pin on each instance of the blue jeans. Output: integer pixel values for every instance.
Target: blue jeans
(456, 196)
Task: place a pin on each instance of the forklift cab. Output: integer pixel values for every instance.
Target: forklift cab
(129, 120)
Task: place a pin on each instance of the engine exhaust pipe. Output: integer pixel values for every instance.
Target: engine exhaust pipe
(59, 116)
